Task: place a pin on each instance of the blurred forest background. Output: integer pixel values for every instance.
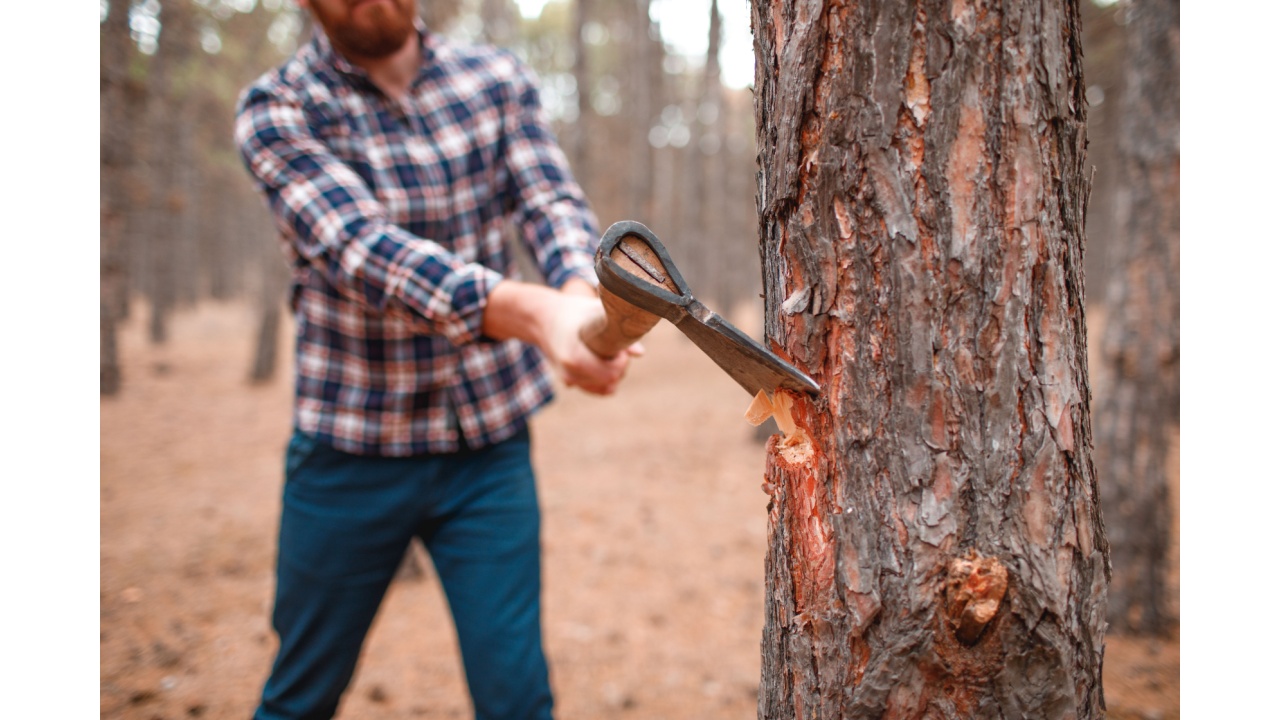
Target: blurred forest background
(651, 100)
(652, 132)
(656, 127)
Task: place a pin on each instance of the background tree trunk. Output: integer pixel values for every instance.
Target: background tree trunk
(1103, 42)
(115, 159)
(273, 292)
(166, 165)
(271, 305)
(641, 168)
(1139, 373)
(936, 548)
(712, 172)
(580, 131)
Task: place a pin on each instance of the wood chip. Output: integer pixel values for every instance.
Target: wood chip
(779, 408)
(782, 414)
(760, 410)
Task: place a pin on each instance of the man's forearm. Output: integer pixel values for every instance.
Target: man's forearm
(553, 320)
(519, 310)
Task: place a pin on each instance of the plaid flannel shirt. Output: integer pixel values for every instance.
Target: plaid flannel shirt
(392, 215)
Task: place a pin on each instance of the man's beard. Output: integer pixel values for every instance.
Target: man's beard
(379, 32)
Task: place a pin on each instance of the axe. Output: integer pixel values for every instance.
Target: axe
(639, 285)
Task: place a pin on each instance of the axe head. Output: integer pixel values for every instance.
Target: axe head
(633, 265)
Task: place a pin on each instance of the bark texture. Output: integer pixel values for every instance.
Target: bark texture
(936, 546)
(1138, 380)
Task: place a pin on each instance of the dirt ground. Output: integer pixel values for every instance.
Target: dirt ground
(654, 536)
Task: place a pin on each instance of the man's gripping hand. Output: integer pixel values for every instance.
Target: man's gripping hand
(553, 320)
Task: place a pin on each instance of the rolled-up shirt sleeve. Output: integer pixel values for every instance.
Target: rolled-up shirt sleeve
(550, 208)
(340, 229)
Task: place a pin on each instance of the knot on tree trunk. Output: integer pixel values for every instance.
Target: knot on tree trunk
(975, 587)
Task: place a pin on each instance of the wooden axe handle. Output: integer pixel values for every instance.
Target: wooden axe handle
(622, 325)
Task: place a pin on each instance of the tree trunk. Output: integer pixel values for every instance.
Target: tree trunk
(711, 240)
(1103, 43)
(581, 130)
(1139, 373)
(936, 548)
(113, 198)
(641, 168)
(168, 155)
(270, 306)
(738, 223)
(690, 187)
(220, 253)
(135, 192)
(265, 353)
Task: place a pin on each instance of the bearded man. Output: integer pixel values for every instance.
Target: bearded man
(392, 160)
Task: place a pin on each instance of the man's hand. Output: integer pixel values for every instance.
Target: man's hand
(553, 320)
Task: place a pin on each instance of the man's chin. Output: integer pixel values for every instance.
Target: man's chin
(381, 49)
(376, 40)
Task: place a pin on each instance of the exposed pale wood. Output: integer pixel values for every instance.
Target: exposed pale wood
(760, 408)
(778, 408)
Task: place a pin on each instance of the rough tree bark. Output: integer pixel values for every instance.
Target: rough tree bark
(936, 547)
(1139, 373)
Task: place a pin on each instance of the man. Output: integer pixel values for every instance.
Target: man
(391, 161)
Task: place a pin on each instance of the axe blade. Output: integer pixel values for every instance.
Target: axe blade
(634, 266)
(751, 364)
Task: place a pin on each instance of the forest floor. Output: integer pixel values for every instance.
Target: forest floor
(653, 530)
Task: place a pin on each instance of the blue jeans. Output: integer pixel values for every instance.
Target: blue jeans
(346, 522)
